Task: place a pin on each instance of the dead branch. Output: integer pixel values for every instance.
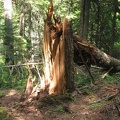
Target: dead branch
(17, 65)
(106, 98)
(106, 73)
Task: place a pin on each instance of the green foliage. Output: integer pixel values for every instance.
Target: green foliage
(81, 79)
(96, 104)
(101, 24)
(1, 94)
(113, 79)
(4, 114)
(60, 108)
(2, 57)
(16, 79)
(116, 49)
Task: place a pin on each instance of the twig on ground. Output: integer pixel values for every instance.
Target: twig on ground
(106, 73)
(17, 65)
(118, 109)
(105, 98)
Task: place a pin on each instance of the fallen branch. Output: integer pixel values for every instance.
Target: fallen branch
(105, 98)
(17, 65)
(118, 109)
(106, 73)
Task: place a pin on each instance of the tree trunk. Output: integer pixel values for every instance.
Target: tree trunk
(22, 19)
(84, 18)
(97, 22)
(29, 25)
(113, 37)
(93, 55)
(69, 69)
(9, 39)
(58, 55)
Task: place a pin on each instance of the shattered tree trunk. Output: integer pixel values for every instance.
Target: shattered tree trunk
(93, 56)
(58, 55)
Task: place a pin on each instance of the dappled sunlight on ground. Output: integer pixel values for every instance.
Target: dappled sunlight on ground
(11, 92)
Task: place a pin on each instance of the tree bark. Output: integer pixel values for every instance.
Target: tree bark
(84, 18)
(69, 69)
(58, 55)
(22, 19)
(113, 37)
(93, 55)
(9, 39)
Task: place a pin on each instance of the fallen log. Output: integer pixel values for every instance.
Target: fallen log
(92, 55)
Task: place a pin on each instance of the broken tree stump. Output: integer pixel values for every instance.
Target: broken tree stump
(58, 54)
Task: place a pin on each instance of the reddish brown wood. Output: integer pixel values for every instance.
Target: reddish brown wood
(58, 58)
(29, 87)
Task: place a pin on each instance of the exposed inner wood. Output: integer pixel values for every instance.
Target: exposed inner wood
(58, 54)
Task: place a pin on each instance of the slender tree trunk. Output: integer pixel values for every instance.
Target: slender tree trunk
(30, 22)
(113, 27)
(22, 19)
(9, 39)
(84, 18)
(97, 34)
(69, 69)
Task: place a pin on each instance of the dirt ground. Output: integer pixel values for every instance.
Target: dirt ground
(89, 103)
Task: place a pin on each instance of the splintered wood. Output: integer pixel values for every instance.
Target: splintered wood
(58, 54)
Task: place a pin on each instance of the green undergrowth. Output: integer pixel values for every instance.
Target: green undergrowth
(13, 77)
(4, 115)
(1, 94)
(56, 103)
(113, 79)
(96, 105)
(82, 80)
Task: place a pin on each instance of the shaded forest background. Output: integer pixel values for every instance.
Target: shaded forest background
(21, 36)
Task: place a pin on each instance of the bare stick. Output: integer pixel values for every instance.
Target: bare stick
(17, 65)
(106, 73)
(105, 98)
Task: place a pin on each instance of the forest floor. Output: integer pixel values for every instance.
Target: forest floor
(96, 102)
